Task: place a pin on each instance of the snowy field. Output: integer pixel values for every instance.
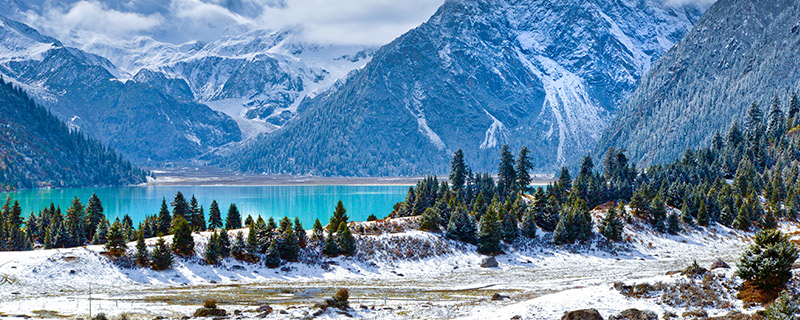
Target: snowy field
(415, 275)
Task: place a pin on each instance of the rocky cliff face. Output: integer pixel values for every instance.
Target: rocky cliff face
(538, 73)
(740, 52)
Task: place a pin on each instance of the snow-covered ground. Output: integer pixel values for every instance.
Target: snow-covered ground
(410, 274)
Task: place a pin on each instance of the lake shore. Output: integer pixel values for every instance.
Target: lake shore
(207, 176)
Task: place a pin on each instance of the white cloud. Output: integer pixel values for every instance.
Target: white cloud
(94, 17)
(362, 22)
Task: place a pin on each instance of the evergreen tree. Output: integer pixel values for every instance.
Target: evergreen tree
(182, 241)
(564, 179)
(234, 219)
(94, 214)
(339, 216)
(775, 120)
(510, 229)
(249, 220)
(193, 218)
(180, 207)
(702, 214)
(673, 224)
(458, 172)
(289, 247)
(462, 226)
(224, 244)
(658, 213)
(489, 235)
(117, 243)
(127, 228)
(529, 225)
(371, 217)
(300, 232)
(769, 221)
(506, 176)
(611, 227)
(742, 221)
(285, 224)
(161, 258)
(239, 247)
(330, 248)
(273, 258)
(768, 262)
(215, 216)
(141, 257)
(101, 234)
(575, 223)
(317, 233)
(429, 220)
(345, 240)
(252, 240)
(75, 224)
(212, 253)
(794, 107)
(164, 218)
(522, 167)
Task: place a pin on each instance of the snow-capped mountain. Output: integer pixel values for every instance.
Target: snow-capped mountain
(741, 52)
(143, 122)
(539, 73)
(257, 75)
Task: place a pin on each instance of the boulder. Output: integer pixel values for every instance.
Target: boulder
(635, 314)
(585, 314)
(489, 262)
(264, 308)
(210, 312)
(498, 297)
(719, 264)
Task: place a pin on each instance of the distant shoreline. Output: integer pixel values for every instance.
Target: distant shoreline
(221, 177)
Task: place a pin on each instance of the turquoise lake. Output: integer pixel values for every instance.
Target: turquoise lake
(305, 202)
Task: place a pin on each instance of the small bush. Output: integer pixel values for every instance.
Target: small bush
(210, 304)
(767, 264)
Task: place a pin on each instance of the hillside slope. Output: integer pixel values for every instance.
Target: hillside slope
(740, 52)
(38, 150)
(479, 74)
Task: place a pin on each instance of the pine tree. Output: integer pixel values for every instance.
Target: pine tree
(193, 216)
(317, 233)
(116, 245)
(234, 219)
(141, 257)
(658, 213)
(127, 228)
(15, 238)
(529, 225)
(75, 224)
(673, 224)
(215, 216)
(224, 244)
(180, 207)
(794, 106)
(289, 247)
(252, 240)
(345, 240)
(161, 258)
(742, 221)
(458, 172)
(94, 214)
(101, 234)
(330, 248)
(489, 235)
(300, 232)
(212, 253)
(462, 226)
(164, 218)
(769, 221)
(575, 223)
(506, 176)
(429, 220)
(182, 241)
(775, 120)
(522, 167)
(285, 224)
(702, 214)
(239, 247)
(272, 259)
(768, 262)
(509, 227)
(249, 220)
(339, 216)
(611, 227)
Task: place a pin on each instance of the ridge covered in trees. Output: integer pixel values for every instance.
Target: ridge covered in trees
(39, 150)
(722, 184)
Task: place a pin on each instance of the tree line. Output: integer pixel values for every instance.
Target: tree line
(719, 184)
(265, 241)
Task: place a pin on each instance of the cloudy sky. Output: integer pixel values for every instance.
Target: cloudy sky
(363, 22)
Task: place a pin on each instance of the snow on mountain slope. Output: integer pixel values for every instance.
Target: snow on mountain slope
(539, 73)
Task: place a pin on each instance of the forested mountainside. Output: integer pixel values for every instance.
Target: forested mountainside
(145, 123)
(740, 52)
(39, 150)
(477, 75)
